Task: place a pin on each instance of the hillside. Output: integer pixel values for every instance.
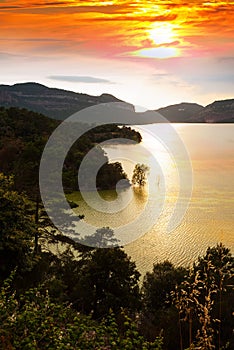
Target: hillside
(182, 112)
(218, 112)
(60, 104)
(54, 103)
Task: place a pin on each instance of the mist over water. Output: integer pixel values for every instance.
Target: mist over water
(209, 219)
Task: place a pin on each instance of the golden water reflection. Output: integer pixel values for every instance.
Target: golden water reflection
(209, 218)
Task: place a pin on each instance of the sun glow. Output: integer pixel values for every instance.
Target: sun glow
(158, 52)
(164, 42)
(162, 33)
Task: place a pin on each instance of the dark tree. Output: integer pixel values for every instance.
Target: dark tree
(157, 285)
(158, 312)
(16, 229)
(140, 174)
(107, 280)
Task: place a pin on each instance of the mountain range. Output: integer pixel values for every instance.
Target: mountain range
(60, 104)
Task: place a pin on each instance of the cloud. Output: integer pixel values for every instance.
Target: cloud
(9, 7)
(80, 79)
(226, 59)
(52, 3)
(33, 39)
(137, 18)
(66, 7)
(160, 75)
(170, 79)
(7, 56)
(207, 75)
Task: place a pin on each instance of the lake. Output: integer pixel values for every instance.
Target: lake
(209, 218)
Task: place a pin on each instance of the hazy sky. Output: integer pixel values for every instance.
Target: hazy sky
(150, 53)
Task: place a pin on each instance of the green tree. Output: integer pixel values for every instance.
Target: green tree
(110, 174)
(158, 312)
(157, 285)
(16, 229)
(106, 279)
(17, 239)
(140, 174)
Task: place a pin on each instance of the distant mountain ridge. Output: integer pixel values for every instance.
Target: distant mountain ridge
(181, 112)
(218, 111)
(60, 104)
(52, 102)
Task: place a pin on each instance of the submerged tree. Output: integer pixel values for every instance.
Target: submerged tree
(139, 176)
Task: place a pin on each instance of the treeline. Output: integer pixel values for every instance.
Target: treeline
(87, 298)
(23, 135)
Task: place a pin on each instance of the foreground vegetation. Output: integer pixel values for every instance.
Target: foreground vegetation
(94, 300)
(91, 298)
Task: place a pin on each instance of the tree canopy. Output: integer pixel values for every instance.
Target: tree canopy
(139, 176)
(16, 229)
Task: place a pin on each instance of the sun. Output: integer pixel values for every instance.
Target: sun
(162, 33)
(164, 42)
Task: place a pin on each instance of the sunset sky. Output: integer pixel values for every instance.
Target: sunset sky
(149, 53)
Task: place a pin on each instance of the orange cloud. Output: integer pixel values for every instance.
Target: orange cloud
(115, 28)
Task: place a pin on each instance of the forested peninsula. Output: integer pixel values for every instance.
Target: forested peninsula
(23, 135)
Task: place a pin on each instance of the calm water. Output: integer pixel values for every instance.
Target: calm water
(209, 218)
